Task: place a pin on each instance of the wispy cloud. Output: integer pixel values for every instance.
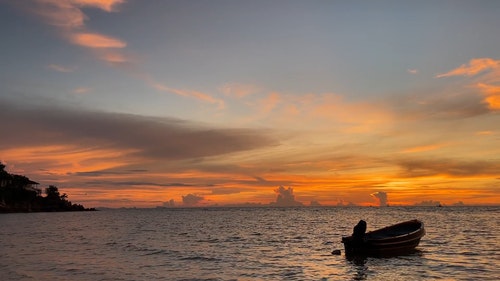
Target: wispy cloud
(355, 116)
(68, 17)
(81, 90)
(423, 148)
(412, 71)
(486, 83)
(60, 13)
(60, 68)
(114, 57)
(485, 133)
(67, 14)
(264, 106)
(312, 111)
(270, 102)
(474, 67)
(239, 90)
(188, 93)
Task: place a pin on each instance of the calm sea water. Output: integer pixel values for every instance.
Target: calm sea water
(462, 243)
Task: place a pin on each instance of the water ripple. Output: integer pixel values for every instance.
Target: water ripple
(242, 244)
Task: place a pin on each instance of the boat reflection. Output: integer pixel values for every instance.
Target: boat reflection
(359, 267)
(360, 263)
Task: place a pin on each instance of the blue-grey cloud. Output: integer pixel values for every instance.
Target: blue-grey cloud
(122, 184)
(439, 105)
(191, 199)
(457, 168)
(170, 203)
(285, 198)
(226, 190)
(150, 137)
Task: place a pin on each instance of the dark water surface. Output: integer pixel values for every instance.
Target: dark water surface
(462, 243)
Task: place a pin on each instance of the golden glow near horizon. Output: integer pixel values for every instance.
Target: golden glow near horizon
(204, 105)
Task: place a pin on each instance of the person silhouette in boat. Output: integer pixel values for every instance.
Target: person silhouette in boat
(358, 233)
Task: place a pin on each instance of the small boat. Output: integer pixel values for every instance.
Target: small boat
(398, 239)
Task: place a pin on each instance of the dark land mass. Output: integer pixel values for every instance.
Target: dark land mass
(19, 194)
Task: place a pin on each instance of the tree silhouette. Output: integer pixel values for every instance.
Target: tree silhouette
(52, 192)
(20, 194)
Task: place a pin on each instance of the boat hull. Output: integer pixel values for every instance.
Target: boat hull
(393, 240)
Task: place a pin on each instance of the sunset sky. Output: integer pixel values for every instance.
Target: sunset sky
(199, 103)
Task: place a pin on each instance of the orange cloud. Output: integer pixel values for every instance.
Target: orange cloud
(103, 177)
(315, 111)
(492, 95)
(68, 16)
(64, 159)
(94, 40)
(67, 13)
(487, 83)
(484, 133)
(359, 117)
(106, 5)
(263, 108)
(422, 148)
(474, 67)
(61, 13)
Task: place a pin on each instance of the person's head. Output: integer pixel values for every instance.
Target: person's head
(362, 223)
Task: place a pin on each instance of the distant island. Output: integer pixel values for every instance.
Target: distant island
(19, 194)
